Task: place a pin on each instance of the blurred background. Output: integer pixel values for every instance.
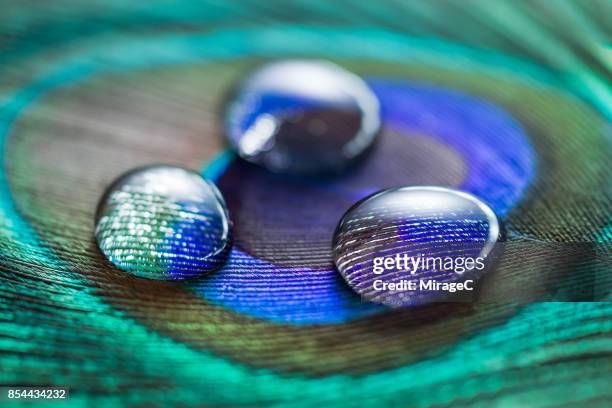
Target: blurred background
(509, 100)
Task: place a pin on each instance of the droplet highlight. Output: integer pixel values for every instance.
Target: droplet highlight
(163, 222)
(303, 117)
(416, 245)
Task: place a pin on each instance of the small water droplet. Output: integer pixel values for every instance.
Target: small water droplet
(390, 242)
(302, 117)
(163, 222)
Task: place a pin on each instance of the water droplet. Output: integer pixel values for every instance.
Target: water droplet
(163, 222)
(412, 245)
(302, 117)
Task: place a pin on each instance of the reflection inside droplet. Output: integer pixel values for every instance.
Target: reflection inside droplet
(302, 117)
(163, 222)
(415, 245)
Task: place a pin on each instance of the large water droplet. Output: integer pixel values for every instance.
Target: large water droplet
(302, 117)
(163, 222)
(413, 245)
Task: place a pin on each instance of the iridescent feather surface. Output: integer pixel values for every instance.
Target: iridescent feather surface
(508, 101)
